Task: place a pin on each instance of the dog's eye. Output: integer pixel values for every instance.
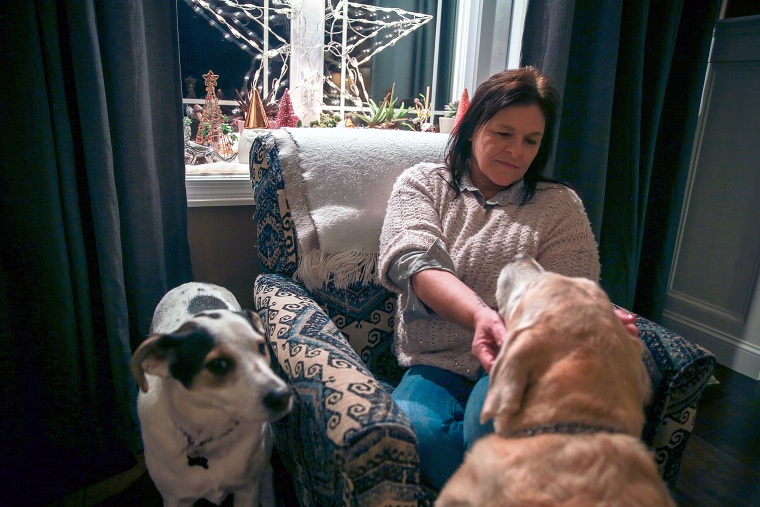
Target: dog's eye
(220, 365)
(263, 348)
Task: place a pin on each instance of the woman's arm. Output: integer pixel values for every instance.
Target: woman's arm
(568, 246)
(452, 300)
(570, 249)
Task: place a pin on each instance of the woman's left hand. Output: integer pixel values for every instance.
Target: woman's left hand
(628, 320)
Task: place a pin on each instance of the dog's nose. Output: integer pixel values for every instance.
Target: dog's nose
(278, 399)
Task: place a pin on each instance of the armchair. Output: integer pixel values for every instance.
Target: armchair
(330, 325)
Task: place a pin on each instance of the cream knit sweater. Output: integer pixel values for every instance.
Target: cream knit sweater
(552, 227)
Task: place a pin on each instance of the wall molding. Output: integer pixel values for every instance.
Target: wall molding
(729, 351)
(710, 308)
(219, 190)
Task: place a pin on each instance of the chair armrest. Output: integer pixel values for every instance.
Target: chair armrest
(275, 235)
(679, 370)
(345, 442)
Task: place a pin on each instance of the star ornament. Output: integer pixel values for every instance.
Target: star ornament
(354, 32)
(370, 28)
(210, 78)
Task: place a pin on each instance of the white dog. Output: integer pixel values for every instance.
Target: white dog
(207, 398)
(566, 393)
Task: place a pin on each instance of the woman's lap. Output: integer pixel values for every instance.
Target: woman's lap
(445, 412)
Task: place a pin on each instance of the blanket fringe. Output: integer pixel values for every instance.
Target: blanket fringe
(316, 269)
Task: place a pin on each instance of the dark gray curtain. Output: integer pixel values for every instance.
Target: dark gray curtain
(93, 224)
(446, 43)
(631, 73)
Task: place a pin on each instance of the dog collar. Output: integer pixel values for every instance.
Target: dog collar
(563, 428)
(195, 453)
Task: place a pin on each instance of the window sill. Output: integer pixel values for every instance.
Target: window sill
(232, 188)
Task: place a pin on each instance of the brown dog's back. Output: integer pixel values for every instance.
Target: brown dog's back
(557, 470)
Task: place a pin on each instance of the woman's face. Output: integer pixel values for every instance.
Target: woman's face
(504, 147)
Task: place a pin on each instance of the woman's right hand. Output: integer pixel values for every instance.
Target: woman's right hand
(489, 335)
(451, 299)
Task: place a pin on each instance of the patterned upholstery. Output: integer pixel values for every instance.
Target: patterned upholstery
(346, 443)
(363, 313)
(679, 371)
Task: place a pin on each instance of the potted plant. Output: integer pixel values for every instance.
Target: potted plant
(186, 127)
(326, 120)
(448, 120)
(386, 115)
(422, 109)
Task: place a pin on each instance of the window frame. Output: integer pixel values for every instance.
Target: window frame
(478, 55)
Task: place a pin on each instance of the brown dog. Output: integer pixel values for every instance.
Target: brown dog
(566, 394)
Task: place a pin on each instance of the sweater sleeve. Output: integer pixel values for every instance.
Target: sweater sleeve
(569, 246)
(405, 265)
(412, 220)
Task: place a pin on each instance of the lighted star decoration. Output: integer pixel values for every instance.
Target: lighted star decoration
(368, 30)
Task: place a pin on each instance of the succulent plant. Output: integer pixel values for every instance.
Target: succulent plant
(386, 115)
(326, 120)
(270, 102)
(451, 109)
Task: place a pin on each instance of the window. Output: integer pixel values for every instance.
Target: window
(418, 47)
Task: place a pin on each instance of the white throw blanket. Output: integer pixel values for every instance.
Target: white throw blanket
(338, 184)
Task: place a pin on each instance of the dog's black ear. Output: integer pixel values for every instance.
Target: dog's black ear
(150, 357)
(179, 354)
(254, 319)
(158, 353)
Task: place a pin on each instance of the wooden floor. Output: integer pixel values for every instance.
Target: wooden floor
(721, 467)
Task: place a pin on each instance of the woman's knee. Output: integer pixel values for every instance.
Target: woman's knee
(472, 428)
(434, 400)
(440, 444)
(435, 426)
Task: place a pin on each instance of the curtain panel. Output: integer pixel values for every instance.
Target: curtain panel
(93, 222)
(409, 65)
(631, 76)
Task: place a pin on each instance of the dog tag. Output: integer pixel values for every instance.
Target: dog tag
(197, 461)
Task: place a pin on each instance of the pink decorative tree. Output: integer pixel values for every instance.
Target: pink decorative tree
(285, 115)
(464, 103)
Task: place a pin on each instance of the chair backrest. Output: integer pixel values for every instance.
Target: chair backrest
(320, 198)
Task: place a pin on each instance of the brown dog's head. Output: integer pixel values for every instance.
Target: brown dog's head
(566, 357)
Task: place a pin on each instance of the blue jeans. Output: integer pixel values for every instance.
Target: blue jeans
(444, 409)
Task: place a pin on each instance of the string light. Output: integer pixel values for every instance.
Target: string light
(369, 30)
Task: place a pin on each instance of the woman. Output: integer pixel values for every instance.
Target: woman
(447, 234)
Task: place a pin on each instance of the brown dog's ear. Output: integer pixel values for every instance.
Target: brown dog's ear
(149, 358)
(254, 319)
(507, 383)
(514, 279)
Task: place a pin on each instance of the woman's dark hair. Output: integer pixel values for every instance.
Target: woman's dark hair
(519, 87)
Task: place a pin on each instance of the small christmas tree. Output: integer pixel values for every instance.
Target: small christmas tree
(285, 115)
(213, 130)
(464, 103)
